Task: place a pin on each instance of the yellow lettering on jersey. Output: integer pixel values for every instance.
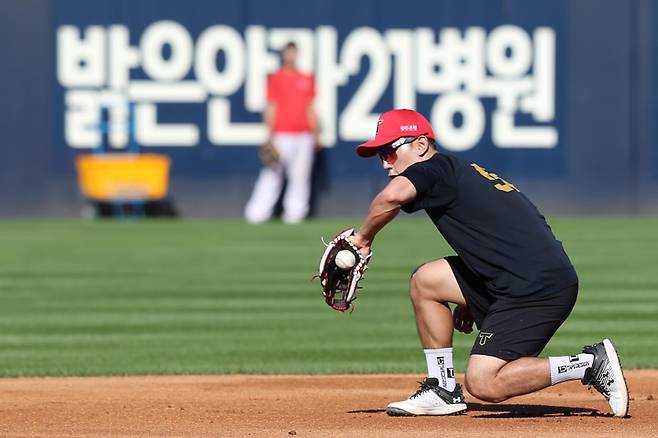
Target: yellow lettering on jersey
(503, 186)
(484, 173)
(507, 187)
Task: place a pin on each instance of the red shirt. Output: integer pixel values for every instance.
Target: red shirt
(292, 92)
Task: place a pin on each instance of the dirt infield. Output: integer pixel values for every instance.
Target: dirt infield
(300, 406)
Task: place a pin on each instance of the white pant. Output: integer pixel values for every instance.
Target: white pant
(296, 160)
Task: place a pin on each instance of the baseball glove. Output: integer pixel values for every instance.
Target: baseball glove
(339, 285)
(268, 154)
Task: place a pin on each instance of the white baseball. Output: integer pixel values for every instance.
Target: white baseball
(345, 259)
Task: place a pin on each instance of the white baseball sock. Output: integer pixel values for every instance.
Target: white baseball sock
(565, 368)
(439, 365)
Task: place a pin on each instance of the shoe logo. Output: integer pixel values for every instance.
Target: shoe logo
(456, 399)
(484, 337)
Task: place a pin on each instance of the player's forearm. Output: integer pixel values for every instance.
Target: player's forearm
(313, 120)
(382, 210)
(268, 117)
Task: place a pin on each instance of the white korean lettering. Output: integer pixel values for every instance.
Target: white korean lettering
(515, 91)
(81, 59)
(210, 42)
(149, 132)
(118, 120)
(82, 119)
(328, 78)
(158, 36)
(183, 91)
(400, 42)
(260, 62)
(221, 131)
(514, 40)
(465, 136)
(542, 103)
(122, 56)
(456, 61)
(357, 120)
(459, 68)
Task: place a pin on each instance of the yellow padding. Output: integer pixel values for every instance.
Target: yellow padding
(123, 177)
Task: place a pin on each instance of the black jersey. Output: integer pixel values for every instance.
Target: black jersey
(497, 232)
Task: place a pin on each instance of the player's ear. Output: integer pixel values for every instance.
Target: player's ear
(422, 145)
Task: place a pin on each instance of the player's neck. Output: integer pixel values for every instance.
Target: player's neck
(428, 155)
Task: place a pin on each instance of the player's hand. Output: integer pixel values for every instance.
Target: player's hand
(463, 319)
(360, 243)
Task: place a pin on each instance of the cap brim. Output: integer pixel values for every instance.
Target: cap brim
(369, 148)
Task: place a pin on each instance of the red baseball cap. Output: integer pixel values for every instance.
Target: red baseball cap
(393, 125)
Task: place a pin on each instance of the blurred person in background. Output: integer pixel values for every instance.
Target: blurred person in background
(293, 136)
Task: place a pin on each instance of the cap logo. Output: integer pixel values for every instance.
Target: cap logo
(405, 128)
(379, 122)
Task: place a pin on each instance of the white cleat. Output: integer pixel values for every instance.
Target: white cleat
(430, 399)
(607, 377)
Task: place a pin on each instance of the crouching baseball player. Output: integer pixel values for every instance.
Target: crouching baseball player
(511, 277)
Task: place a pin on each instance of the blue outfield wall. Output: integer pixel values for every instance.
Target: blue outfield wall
(557, 96)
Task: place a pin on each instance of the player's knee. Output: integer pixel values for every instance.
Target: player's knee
(426, 283)
(483, 388)
(416, 270)
(417, 285)
(414, 281)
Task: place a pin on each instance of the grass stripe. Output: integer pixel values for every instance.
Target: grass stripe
(114, 298)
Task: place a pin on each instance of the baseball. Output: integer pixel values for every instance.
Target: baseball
(345, 259)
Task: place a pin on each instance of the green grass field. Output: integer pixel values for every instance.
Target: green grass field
(208, 297)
